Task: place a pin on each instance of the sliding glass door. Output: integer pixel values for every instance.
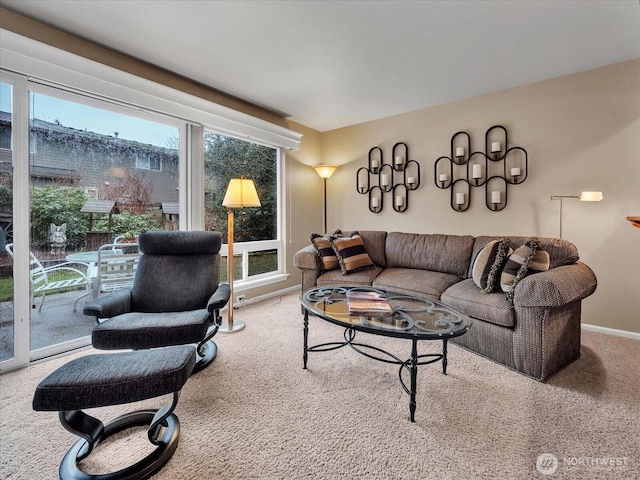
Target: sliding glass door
(7, 330)
(94, 174)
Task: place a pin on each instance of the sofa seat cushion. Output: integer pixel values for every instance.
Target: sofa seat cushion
(413, 281)
(361, 277)
(490, 307)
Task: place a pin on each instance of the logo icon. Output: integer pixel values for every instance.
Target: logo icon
(547, 463)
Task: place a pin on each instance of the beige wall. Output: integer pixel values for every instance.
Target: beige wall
(581, 131)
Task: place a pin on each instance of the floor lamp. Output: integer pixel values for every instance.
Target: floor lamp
(583, 197)
(241, 193)
(325, 171)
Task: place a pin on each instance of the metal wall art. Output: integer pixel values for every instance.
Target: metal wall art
(497, 167)
(397, 177)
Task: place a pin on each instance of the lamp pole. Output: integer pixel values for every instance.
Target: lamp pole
(230, 327)
(561, 198)
(561, 205)
(325, 205)
(325, 171)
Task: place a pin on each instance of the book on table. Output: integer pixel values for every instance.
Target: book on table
(368, 302)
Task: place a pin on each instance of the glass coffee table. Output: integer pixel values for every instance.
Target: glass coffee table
(414, 318)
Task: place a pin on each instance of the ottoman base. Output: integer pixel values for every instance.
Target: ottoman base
(144, 468)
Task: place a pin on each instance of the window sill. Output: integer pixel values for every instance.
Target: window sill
(243, 285)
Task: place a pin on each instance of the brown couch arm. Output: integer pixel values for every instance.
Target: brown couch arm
(556, 287)
(308, 262)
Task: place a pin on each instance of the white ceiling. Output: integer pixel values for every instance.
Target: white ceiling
(329, 64)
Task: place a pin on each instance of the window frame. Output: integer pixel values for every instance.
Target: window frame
(148, 161)
(50, 66)
(245, 248)
(24, 61)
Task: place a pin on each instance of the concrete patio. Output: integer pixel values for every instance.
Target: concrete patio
(56, 322)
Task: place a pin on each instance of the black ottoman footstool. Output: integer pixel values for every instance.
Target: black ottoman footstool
(111, 379)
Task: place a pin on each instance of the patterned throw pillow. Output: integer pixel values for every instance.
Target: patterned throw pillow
(525, 260)
(488, 264)
(325, 250)
(351, 253)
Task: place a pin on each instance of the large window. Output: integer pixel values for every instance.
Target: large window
(256, 246)
(62, 162)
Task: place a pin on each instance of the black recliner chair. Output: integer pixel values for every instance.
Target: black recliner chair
(175, 299)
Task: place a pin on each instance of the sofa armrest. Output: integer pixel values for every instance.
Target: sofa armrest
(556, 287)
(307, 259)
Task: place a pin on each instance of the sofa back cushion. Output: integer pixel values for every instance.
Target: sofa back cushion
(561, 252)
(374, 241)
(435, 252)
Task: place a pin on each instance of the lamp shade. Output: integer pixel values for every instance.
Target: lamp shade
(241, 192)
(591, 197)
(325, 171)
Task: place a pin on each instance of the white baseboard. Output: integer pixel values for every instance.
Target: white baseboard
(277, 293)
(611, 331)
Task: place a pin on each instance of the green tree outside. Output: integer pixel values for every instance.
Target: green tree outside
(227, 158)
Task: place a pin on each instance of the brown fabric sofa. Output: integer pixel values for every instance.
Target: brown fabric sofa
(537, 334)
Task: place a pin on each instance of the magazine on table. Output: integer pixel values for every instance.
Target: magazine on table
(362, 301)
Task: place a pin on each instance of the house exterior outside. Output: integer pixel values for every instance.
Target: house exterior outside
(101, 164)
(136, 176)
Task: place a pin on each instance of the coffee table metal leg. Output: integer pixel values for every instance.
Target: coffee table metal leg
(306, 335)
(414, 379)
(444, 356)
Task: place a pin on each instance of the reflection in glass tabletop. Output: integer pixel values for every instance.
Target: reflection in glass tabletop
(412, 315)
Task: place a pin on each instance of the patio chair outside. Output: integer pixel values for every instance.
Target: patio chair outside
(116, 267)
(75, 274)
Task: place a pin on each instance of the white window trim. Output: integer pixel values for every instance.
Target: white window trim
(243, 249)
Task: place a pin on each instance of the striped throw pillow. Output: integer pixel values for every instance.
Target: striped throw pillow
(351, 253)
(488, 264)
(325, 251)
(525, 260)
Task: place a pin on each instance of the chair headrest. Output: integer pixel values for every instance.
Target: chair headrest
(179, 243)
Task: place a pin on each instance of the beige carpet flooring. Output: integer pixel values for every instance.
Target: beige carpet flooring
(256, 414)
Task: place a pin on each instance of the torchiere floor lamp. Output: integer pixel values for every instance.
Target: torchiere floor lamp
(325, 171)
(241, 193)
